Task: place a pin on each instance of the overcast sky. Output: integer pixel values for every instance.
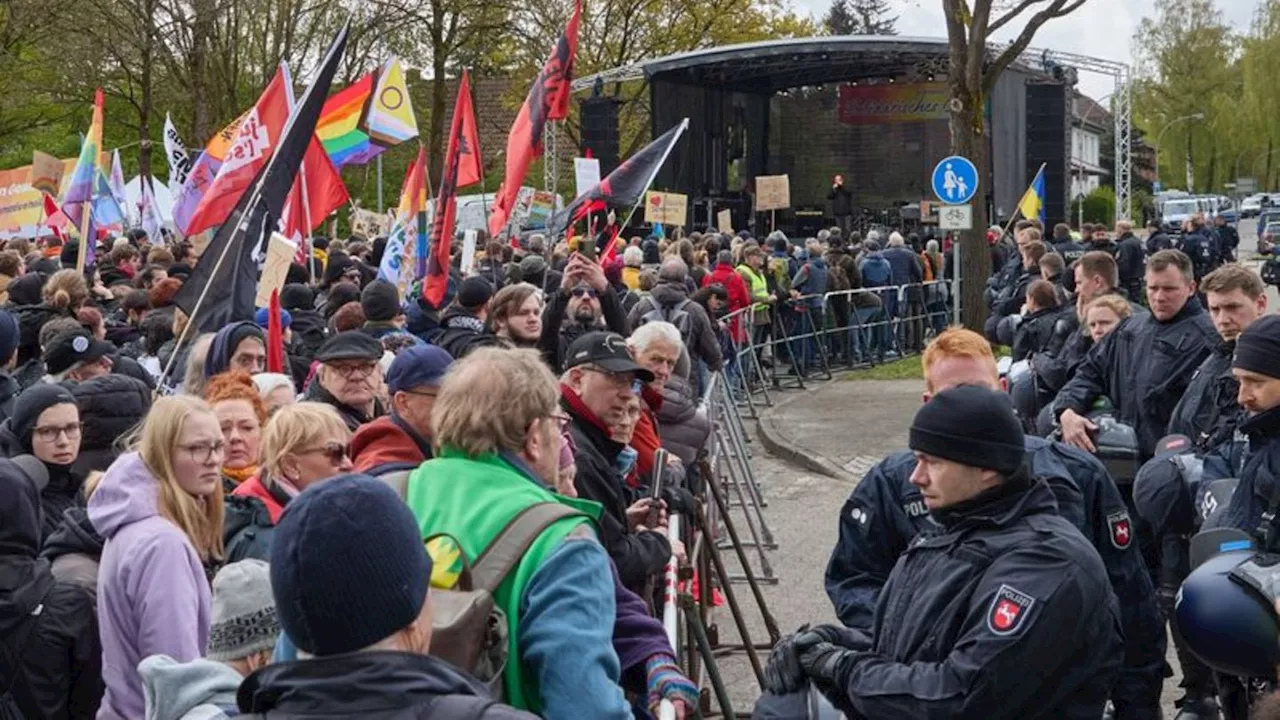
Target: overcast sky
(1102, 28)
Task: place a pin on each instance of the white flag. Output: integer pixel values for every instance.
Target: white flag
(150, 213)
(176, 152)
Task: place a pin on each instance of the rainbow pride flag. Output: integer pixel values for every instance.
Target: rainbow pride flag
(89, 190)
(339, 126)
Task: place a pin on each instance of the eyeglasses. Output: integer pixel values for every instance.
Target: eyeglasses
(562, 420)
(49, 433)
(355, 372)
(580, 291)
(618, 380)
(334, 452)
(422, 393)
(202, 453)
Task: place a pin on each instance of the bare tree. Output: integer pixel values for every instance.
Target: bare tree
(974, 68)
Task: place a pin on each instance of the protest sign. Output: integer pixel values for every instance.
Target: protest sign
(280, 253)
(773, 192)
(666, 208)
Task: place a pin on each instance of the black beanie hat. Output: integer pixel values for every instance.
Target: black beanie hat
(30, 403)
(296, 296)
(1258, 347)
(973, 426)
(380, 301)
(348, 567)
(70, 254)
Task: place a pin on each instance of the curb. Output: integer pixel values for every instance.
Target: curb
(784, 448)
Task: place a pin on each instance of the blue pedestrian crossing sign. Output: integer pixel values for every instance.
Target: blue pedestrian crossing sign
(955, 180)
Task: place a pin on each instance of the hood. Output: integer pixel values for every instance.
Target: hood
(174, 689)
(126, 495)
(670, 293)
(74, 535)
(306, 687)
(24, 579)
(110, 405)
(9, 387)
(383, 441)
(459, 319)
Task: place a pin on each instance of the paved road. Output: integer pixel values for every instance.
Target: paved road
(853, 424)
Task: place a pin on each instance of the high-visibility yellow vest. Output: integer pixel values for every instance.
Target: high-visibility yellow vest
(759, 287)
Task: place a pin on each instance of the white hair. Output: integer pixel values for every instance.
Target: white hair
(873, 236)
(931, 246)
(268, 382)
(655, 331)
(895, 239)
(633, 256)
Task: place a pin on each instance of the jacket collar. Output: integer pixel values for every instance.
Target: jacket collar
(423, 444)
(592, 427)
(1262, 427)
(356, 683)
(998, 506)
(1190, 309)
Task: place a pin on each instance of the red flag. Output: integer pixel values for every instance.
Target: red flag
(437, 280)
(548, 99)
(256, 139)
(469, 172)
(611, 250)
(54, 217)
(275, 335)
(324, 193)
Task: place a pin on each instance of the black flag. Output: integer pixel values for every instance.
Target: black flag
(624, 186)
(229, 265)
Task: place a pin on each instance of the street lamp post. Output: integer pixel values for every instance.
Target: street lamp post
(1160, 137)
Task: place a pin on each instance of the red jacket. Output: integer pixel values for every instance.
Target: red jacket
(384, 441)
(739, 297)
(254, 488)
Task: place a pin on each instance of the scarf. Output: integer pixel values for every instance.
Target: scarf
(241, 474)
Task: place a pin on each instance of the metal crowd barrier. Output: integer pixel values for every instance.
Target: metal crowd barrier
(811, 336)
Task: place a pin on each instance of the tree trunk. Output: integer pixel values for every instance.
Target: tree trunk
(439, 93)
(146, 80)
(201, 28)
(968, 140)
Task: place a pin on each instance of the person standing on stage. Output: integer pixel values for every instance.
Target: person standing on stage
(841, 204)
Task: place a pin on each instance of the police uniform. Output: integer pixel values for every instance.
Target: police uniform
(1000, 608)
(885, 511)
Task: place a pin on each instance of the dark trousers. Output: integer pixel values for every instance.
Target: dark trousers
(845, 223)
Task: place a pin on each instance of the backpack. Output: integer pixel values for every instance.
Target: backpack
(876, 272)
(676, 315)
(927, 264)
(468, 629)
(837, 278)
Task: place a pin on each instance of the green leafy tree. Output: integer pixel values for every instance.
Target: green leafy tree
(839, 19)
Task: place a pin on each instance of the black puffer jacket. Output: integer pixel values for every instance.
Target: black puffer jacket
(30, 319)
(110, 406)
(684, 425)
(50, 626)
(75, 549)
(370, 685)
(1207, 412)
(308, 331)
(1035, 332)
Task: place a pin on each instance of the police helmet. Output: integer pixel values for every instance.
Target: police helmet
(1162, 490)
(1007, 328)
(1117, 447)
(1226, 624)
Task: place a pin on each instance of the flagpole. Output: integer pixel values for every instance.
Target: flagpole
(484, 204)
(1018, 207)
(684, 125)
(85, 213)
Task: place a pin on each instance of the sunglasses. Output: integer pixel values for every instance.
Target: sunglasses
(589, 292)
(334, 452)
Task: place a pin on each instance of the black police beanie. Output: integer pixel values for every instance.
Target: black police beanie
(380, 301)
(970, 425)
(1258, 347)
(348, 567)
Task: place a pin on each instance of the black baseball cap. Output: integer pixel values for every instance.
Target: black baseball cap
(73, 347)
(607, 351)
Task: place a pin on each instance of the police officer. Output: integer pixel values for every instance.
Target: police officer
(886, 510)
(1207, 412)
(1146, 363)
(1000, 609)
(1228, 239)
(1198, 245)
(1206, 416)
(1157, 240)
(1254, 455)
(1130, 257)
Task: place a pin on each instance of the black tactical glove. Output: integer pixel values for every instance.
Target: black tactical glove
(826, 665)
(783, 674)
(679, 501)
(841, 636)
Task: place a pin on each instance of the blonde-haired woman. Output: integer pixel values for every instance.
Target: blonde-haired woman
(301, 444)
(159, 508)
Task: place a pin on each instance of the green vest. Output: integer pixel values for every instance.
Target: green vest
(473, 499)
(759, 286)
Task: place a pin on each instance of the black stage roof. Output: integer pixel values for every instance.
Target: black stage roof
(774, 65)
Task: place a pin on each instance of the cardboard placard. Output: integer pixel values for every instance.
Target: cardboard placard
(724, 221)
(468, 251)
(586, 173)
(666, 208)
(369, 223)
(280, 253)
(46, 172)
(773, 192)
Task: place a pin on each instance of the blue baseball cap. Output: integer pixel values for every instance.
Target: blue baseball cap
(417, 366)
(263, 316)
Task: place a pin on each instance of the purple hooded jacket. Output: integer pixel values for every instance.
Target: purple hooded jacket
(153, 597)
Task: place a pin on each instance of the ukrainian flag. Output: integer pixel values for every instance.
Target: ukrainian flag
(1032, 203)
